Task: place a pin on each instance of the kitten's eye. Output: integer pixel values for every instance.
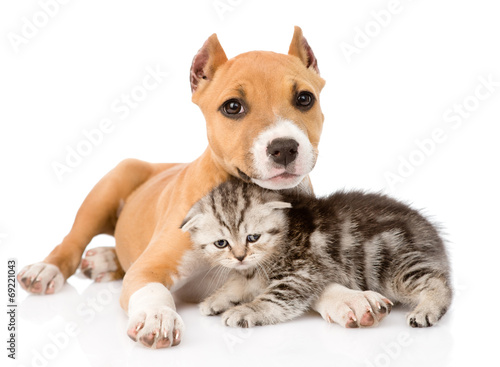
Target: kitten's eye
(304, 100)
(253, 238)
(221, 243)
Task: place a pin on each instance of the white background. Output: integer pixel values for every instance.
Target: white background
(398, 89)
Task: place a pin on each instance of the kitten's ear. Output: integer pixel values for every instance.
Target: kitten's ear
(277, 205)
(190, 221)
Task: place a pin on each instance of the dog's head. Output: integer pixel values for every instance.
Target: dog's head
(262, 110)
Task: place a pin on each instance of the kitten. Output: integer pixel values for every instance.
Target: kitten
(344, 255)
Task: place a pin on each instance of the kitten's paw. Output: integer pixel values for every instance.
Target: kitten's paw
(213, 306)
(41, 278)
(423, 317)
(353, 309)
(434, 302)
(242, 316)
(156, 328)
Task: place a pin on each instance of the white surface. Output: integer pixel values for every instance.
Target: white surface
(398, 89)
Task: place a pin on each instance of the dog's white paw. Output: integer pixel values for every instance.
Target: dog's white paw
(352, 309)
(101, 264)
(153, 320)
(156, 328)
(41, 278)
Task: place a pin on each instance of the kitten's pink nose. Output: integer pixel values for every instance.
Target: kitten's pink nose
(240, 257)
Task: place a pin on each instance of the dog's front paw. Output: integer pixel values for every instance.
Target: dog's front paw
(159, 327)
(41, 278)
(243, 316)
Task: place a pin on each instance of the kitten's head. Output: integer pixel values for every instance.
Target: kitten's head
(237, 225)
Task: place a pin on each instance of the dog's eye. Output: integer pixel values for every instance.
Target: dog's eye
(253, 238)
(233, 108)
(304, 100)
(221, 243)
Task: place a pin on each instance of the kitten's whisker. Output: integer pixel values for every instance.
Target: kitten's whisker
(200, 284)
(218, 277)
(267, 265)
(261, 272)
(213, 280)
(209, 270)
(221, 276)
(260, 268)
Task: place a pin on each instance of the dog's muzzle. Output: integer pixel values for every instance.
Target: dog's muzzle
(282, 156)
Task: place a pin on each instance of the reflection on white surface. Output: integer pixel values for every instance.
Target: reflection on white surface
(83, 325)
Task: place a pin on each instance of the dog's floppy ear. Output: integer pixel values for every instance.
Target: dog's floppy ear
(300, 48)
(206, 61)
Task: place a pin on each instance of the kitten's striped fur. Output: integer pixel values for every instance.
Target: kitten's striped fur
(341, 255)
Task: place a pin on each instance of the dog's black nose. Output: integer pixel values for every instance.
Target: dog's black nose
(283, 151)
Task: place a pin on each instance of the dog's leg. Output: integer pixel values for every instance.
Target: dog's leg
(97, 215)
(146, 297)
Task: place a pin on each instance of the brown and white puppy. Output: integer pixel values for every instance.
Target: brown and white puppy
(263, 122)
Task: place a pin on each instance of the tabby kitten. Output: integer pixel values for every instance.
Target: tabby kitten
(344, 255)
